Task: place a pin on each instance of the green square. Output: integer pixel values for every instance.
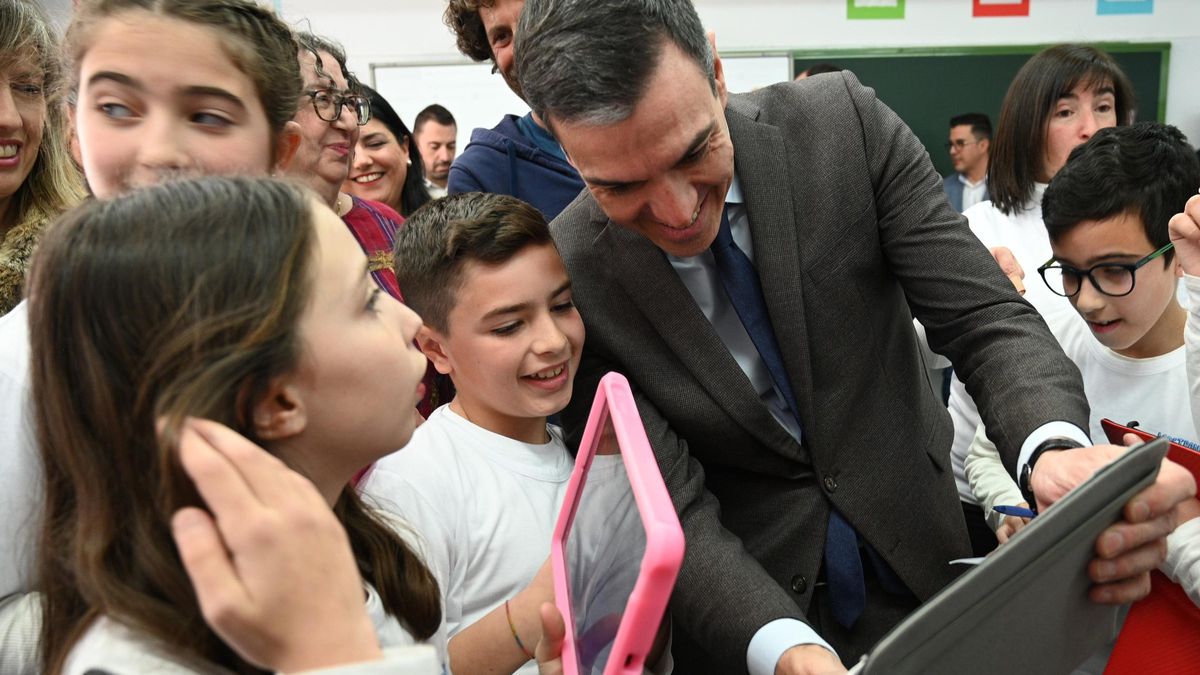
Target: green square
(864, 9)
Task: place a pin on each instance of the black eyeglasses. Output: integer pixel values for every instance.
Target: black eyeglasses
(1112, 279)
(959, 144)
(328, 105)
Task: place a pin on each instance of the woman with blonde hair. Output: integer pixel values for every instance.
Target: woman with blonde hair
(38, 180)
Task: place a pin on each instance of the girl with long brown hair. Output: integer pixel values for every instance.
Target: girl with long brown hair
(243, 301)
(162, 89)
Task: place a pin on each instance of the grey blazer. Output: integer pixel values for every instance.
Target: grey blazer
(853, 237)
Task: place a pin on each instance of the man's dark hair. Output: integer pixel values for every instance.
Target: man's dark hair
(462, 17)
(589, 61)
(981, 125)
(1147, 169)
(1017, 151)
(823, 67)
(434, 112)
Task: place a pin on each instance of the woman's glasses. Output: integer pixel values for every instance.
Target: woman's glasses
(328, 105)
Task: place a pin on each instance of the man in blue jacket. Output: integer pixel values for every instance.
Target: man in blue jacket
(517, 157)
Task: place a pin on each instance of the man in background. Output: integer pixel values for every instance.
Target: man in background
(970, 140)
(823, 67)
(517, 157)
(435, 131)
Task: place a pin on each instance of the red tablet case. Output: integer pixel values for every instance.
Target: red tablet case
(1162, 632)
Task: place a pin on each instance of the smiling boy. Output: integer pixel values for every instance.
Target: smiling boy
(483, 479)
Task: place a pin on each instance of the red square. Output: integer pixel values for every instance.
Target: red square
(981, 8)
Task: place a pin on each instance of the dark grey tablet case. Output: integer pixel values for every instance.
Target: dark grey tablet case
(1025, 608)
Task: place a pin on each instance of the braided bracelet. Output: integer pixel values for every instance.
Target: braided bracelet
(513, 627)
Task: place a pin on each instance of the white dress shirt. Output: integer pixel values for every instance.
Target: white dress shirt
(699, 274)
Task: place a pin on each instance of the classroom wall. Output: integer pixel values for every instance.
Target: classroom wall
(412, 31)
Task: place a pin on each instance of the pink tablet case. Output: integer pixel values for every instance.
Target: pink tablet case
(664, 536)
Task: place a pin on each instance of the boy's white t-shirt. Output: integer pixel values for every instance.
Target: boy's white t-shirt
(484, 504)
(1151, 391)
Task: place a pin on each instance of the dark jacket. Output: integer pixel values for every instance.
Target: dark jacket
(503, 161)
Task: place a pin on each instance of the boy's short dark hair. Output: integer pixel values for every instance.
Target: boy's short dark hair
(981, 125)
(439, 238)
(1147, 169)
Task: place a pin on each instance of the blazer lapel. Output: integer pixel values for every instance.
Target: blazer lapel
(646, 275)
(769, 191)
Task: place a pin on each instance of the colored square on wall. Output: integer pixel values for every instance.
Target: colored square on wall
(1000, 7)
(1124, 7)
(874, 9)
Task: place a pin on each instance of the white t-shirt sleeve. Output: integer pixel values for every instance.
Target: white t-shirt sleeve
(21, 493)
(20, 625)
(1191, 340)
(989, 480)
(1183, 558)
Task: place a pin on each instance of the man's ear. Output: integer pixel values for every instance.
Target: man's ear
(286, 145)
(280, 414)
(986, 145)
(718, 70)
(433, 344)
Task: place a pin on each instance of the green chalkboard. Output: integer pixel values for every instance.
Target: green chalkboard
(926, 87)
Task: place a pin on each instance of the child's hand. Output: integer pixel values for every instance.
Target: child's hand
(1011, 525)
(272, 567)
(1008, 264)
(1185, 234)
(549, 647)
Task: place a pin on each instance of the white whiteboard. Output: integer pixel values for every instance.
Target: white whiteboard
(475, 96)
(478, 98)
(747, 73)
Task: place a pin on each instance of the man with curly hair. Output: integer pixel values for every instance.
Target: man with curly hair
(518, 156)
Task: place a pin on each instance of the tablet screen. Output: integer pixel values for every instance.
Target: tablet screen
(604, 552)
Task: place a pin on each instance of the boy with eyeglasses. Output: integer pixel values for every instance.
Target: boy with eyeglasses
(1107, 212)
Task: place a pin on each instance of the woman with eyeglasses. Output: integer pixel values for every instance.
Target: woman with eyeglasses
(331, 115)
(1057, 101)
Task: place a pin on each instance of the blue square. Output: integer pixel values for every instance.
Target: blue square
(1124, 7)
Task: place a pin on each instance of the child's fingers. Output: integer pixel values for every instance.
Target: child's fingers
(219, 482)
(219, 590)
(264, 474)
(1184, 226)
(553, 633)
(1012, 269)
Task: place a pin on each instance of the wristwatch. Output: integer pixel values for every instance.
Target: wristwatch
(1056, 443)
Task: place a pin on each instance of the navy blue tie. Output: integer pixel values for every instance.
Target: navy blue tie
(843, 564)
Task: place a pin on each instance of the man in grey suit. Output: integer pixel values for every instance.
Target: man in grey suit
(787, 405)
